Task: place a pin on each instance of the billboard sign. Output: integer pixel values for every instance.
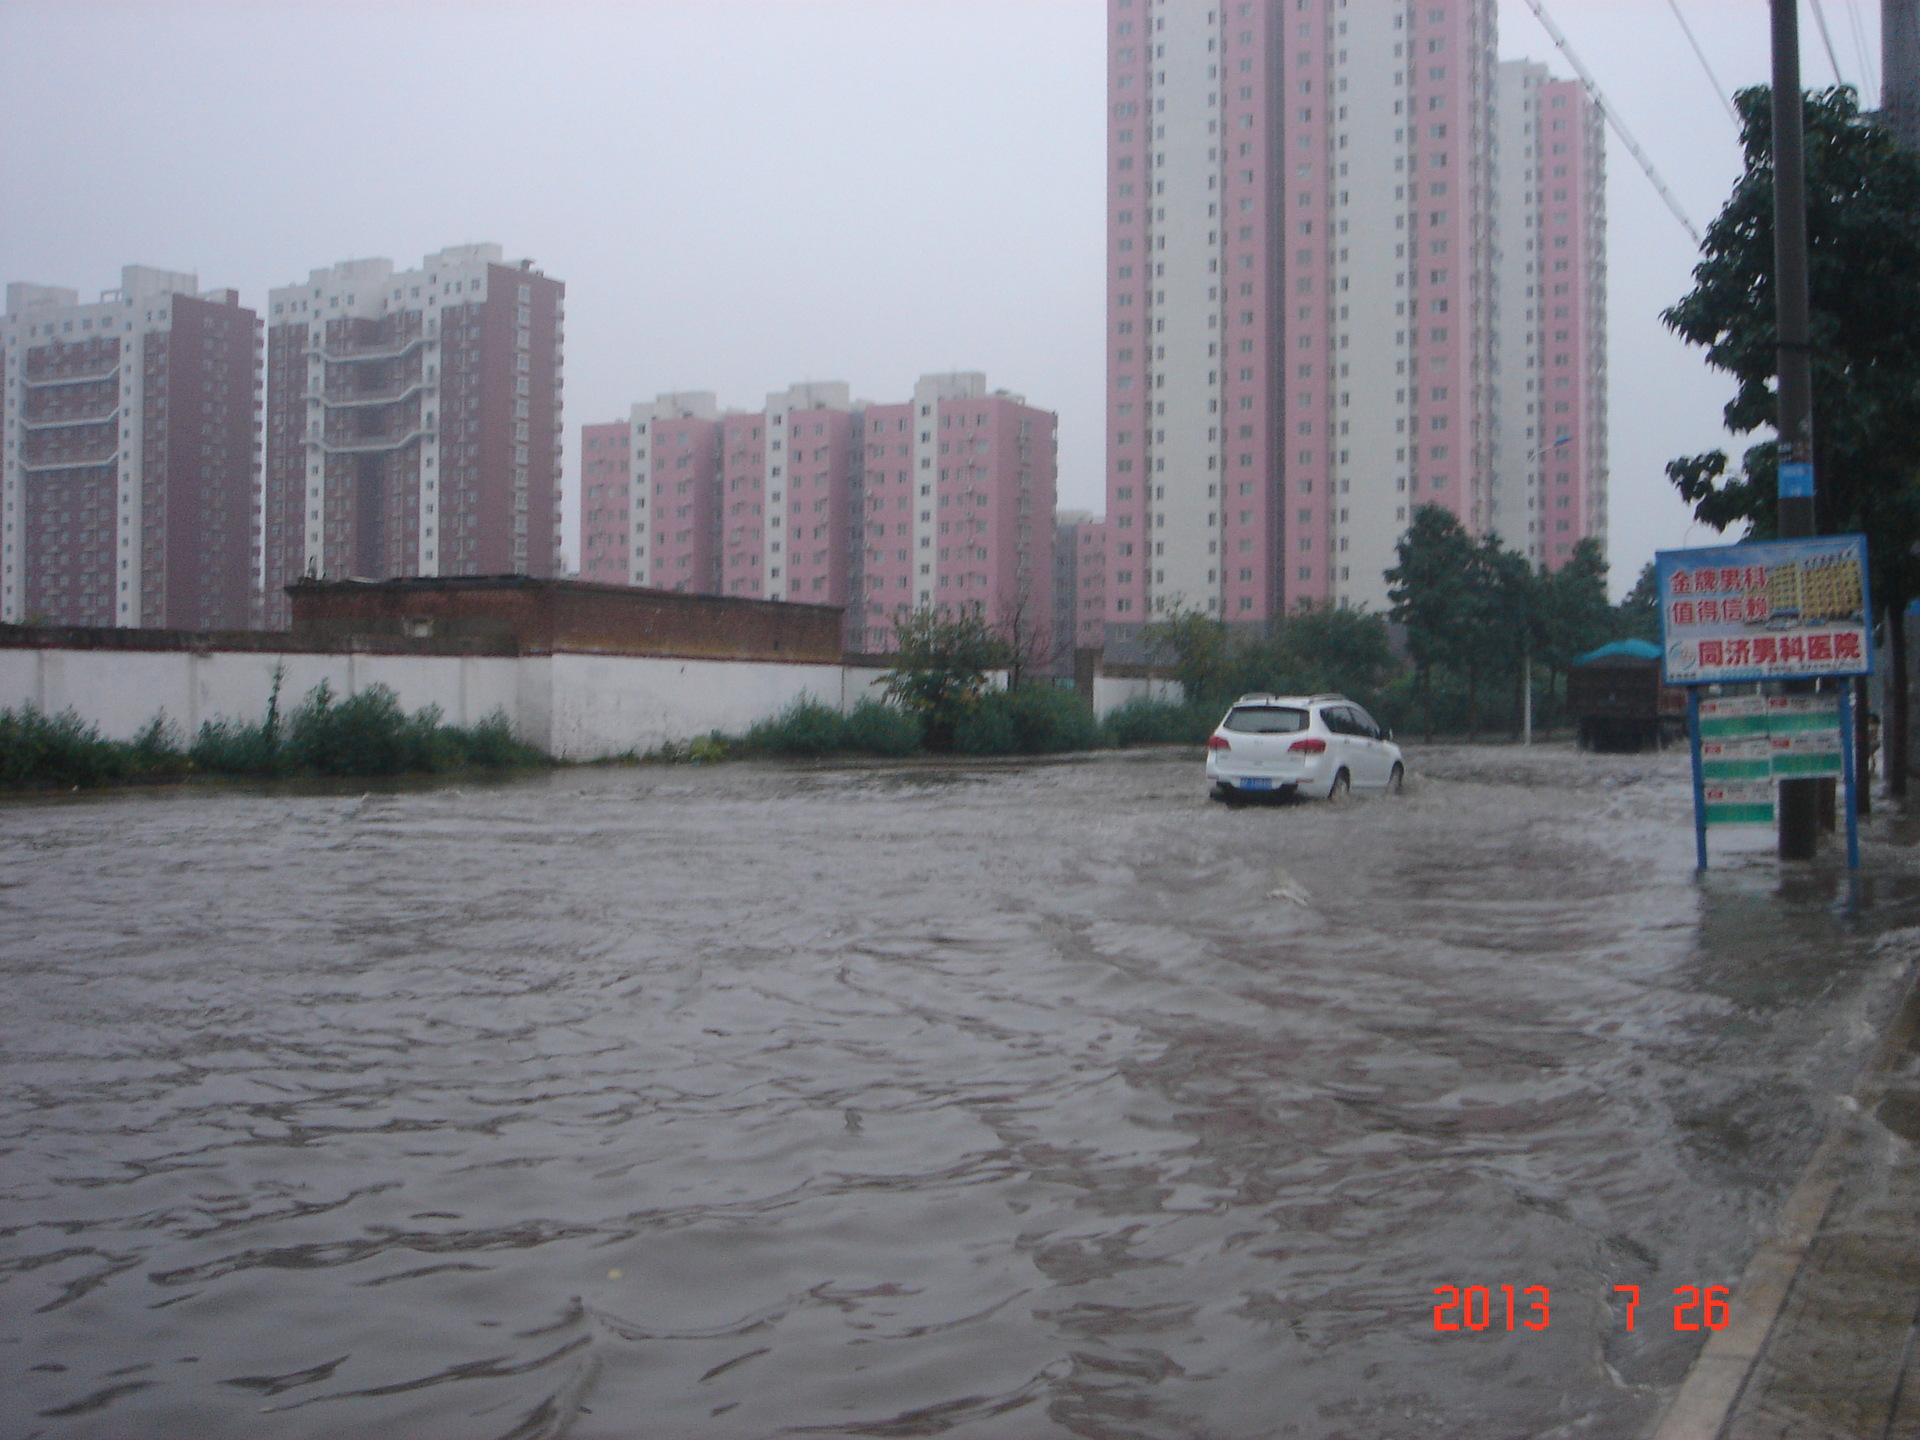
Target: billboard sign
(1787, 610)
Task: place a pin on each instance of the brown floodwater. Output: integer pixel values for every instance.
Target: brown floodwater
(913, 1100)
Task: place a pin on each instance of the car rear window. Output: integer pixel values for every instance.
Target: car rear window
(1265, 720)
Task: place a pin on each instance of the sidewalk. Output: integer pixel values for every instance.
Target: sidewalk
(1825, 1339)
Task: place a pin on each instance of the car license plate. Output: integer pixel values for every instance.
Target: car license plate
(1256, 784)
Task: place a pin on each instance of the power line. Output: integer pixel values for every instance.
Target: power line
(1820, 19)
(1859, 29)
(1726, 97)
(1613, 117)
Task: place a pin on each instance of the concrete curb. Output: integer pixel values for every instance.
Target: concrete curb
(1719, 1375)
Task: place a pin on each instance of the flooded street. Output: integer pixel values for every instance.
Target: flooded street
(967, 1101)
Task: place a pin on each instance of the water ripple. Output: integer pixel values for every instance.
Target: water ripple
(987, 1102)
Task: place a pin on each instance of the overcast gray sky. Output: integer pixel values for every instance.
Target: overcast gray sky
(744, 193)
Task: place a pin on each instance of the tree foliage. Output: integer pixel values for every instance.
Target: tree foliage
(1863, 249)
(1863, 281)
(1639, 612)
(1469, 605)
(1198, 650)
(1428, 587)
(1574, 614)
(941, 666)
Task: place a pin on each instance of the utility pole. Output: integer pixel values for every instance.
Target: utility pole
(1799, 799)
(1900, 69)
(1900, 111)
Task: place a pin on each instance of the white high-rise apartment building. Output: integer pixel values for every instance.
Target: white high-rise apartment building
(1302, 298)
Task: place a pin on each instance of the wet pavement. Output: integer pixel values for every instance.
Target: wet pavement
(1839, 1359)
(959, 1100)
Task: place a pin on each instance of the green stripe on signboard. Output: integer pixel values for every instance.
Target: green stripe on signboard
(1783, 722)
(1738, 802)
(1728, 726)
(1803, 763)
(1739, 814)
(1751, 769)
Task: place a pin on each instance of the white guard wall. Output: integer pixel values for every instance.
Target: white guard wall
(122, 691)
(610, 704)
(1110, 692)
(575, 707)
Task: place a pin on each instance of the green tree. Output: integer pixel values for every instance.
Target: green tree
(941, 665)
(1500, 625)
(1863, 238)
(1429, 591)
(1575, 616)
(1638, 616)
(1198, 650)
(1335, 647)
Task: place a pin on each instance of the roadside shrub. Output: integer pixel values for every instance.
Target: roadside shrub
(232, 747)
(806, 727)
(1161, 722)
(986, 727)
(490, 745)
(365, 734)
(708, 749)
(37, 749)
(876, 728)
(156, 750)
(1049, 719)
(1032, 720)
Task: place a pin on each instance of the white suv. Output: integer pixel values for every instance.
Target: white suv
(1317, 745)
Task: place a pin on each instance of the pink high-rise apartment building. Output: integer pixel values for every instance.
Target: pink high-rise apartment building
(816, 519)
(1550, 358)
(743, 494)
(1079, 581)
(413, 421)
(889, 502)
(817, 498)
(1302, 259)
(676, 466)
(131, 478)
(604, 498)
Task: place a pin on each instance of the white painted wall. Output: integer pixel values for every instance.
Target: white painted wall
(609, 704)
(1110, 692)
(577, 707)
(121, 691)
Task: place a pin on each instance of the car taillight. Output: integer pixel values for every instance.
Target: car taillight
(1218, 742)
(1312, 745)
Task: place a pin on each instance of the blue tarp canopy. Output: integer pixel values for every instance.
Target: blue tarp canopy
(1622, 649)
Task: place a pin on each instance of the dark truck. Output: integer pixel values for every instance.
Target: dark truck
(1618, 703)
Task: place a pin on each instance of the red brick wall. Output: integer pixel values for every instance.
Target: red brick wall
(543, 616)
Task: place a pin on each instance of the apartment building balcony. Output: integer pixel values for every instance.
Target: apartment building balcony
(79, 374)
(371, 350)
(89, 459)
(368, 444)
(387, 395)
(91, 415)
